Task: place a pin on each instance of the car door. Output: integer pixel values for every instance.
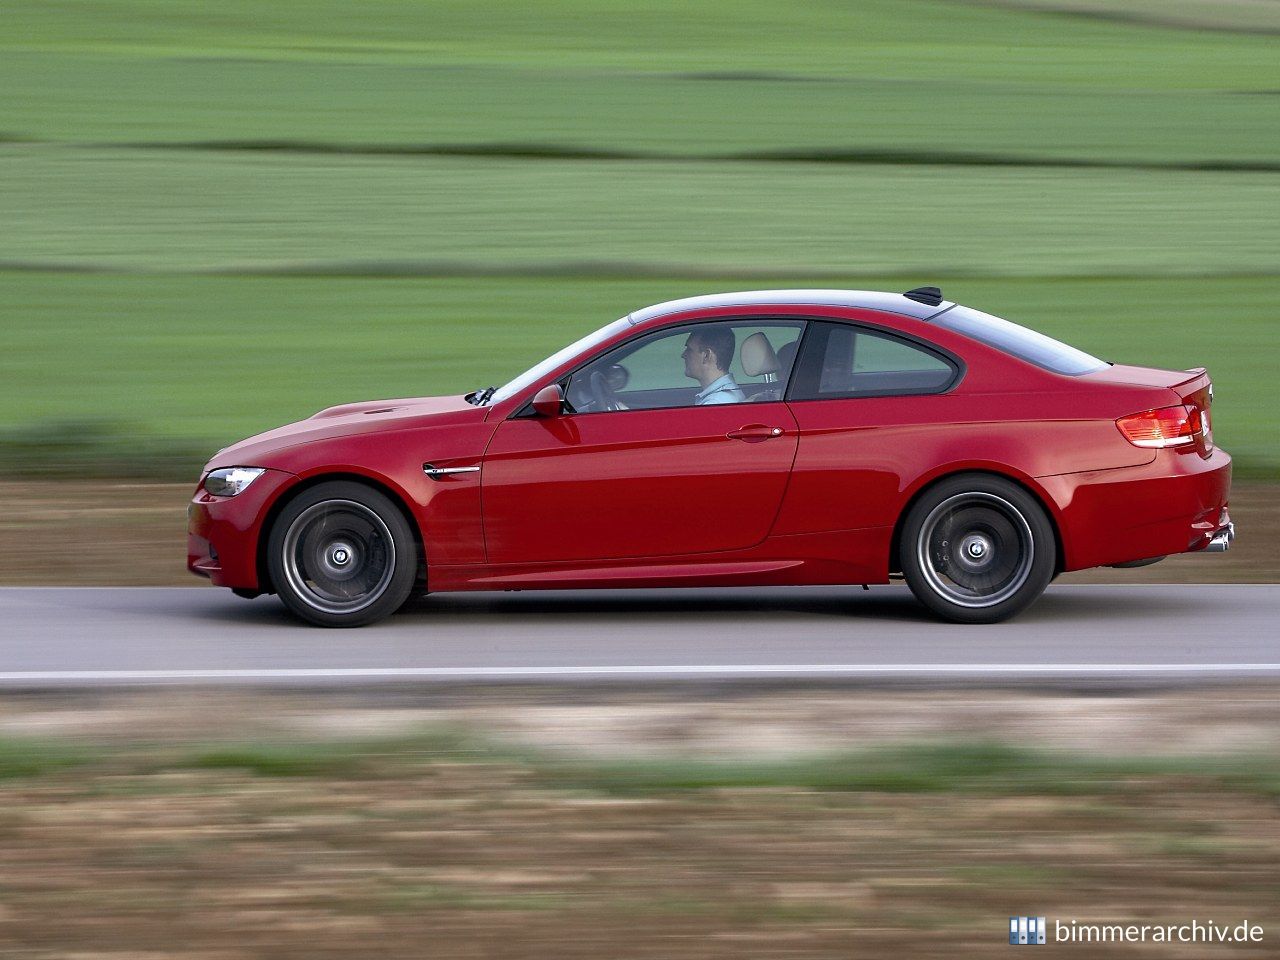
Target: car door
(662, 476)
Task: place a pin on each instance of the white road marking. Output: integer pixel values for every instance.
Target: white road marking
(626, 670)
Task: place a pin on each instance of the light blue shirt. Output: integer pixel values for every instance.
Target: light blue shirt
(724, 390)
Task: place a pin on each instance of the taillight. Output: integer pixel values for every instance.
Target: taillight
(1166, 427)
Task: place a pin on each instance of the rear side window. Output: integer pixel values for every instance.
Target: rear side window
(1020, 342)
(842, 360)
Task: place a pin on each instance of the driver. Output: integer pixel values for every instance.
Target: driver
(707, 355)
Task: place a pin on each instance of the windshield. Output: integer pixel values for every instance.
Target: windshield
(534, 374)
(1019, 341)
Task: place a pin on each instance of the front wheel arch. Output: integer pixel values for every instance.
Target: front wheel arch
(264, 534)
(895, 561)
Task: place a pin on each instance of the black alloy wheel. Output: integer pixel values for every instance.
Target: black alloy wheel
(342, 555)
(977, 548)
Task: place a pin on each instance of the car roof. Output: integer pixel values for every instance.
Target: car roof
(867, 299)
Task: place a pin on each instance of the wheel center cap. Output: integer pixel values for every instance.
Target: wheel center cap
(340, 556)
(976, 552)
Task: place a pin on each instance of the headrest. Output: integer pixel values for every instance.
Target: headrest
(787, 354)
(757, 356)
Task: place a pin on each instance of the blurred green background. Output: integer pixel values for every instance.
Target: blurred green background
(220, 217)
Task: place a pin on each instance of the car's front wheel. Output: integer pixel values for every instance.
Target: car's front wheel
(977, 549)
(342, 555)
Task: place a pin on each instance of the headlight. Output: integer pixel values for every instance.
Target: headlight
(231, 480)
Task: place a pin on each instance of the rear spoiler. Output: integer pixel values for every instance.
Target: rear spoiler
(1197, 388)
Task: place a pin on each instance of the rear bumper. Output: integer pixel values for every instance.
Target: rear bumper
(1175, 504)
(222, 532)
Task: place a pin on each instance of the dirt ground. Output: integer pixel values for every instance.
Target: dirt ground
(101, 534)
(135, 855)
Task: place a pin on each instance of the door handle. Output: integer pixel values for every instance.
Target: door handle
(754, 433)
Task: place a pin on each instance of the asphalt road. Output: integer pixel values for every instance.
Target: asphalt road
(56, 636)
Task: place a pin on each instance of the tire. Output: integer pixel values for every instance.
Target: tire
(976, 548)
(342, 555)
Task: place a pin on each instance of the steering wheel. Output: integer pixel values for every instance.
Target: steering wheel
(602, 392)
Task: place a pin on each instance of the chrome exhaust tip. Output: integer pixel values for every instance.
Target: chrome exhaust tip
(1221, 541)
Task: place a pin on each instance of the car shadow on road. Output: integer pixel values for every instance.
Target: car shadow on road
(891, 603)
(1114, 604)
(883, 603)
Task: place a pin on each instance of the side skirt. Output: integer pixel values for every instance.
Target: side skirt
(842, 557)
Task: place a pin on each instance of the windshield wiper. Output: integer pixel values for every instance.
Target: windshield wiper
(481, 397)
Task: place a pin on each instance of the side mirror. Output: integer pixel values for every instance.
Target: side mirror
(549, 401)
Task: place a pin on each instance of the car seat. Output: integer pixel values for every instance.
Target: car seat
(787, 356)
(759, 360)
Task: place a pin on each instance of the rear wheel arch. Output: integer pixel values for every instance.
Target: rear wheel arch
(1046, 504)
(301, 487)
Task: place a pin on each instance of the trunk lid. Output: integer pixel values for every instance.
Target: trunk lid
(1151, 377)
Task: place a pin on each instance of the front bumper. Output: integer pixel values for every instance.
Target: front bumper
(223, 532)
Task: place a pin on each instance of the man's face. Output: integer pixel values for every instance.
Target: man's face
(694, 357)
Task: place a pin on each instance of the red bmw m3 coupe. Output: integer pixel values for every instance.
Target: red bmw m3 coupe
(763, 438)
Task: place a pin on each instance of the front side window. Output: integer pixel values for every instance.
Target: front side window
(698, 364)
(842, 360)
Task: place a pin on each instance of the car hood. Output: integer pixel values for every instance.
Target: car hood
(349, 419)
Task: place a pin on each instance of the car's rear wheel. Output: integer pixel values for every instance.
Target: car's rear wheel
(977, 549)
(342, 555)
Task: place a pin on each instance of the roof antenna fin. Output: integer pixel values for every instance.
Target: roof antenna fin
(927, 295)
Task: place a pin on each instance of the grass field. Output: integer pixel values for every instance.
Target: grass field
(197, 210)
(361, 105)
(202, 361)
(909, 39)
(216, 221)
(913, 76)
